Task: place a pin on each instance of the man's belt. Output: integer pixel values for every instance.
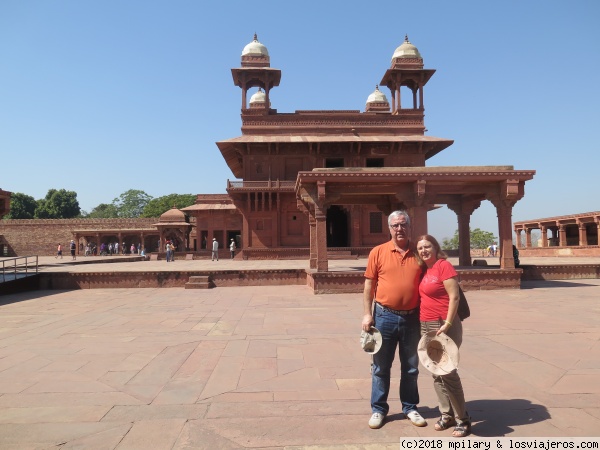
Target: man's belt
(398, 312)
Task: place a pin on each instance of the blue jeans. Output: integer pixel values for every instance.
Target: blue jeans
(402, 332)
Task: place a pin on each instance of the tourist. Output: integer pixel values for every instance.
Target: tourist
(72, 247)
(439, 303)
(215, 249)
(168, 247)
(391, 304)
(58, 251)
(116, 248)
(232, 248)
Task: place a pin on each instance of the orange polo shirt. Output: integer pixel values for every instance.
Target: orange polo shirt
(396, 277)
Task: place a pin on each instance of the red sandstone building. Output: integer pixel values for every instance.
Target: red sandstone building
(318, 182)
(572, 235)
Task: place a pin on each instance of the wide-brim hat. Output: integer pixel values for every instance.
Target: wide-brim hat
(371, 340)
(438, 354)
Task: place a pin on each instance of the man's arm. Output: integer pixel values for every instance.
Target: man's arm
(367, 321)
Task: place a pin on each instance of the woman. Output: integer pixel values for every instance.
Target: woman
(439, 303)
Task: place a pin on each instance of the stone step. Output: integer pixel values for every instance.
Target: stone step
(198, 282)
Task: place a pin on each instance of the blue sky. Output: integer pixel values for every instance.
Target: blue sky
(103, 97)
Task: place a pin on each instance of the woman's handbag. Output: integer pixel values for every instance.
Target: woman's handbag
(463, 307)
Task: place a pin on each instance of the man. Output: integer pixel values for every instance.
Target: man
(72, 247)
(232, 248)
(392, 282)
(215, 249)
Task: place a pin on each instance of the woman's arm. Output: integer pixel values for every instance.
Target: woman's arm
(451, 285)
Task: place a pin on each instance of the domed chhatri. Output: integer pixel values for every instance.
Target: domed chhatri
(377, 101)
(258, 99)
(173, 215)
(407, 55)
(255, 54)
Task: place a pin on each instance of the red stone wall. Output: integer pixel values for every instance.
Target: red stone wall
(590, 251)
(41, 236)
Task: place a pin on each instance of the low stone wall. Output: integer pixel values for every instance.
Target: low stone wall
(41, 236)
(131, 280)
(318, 282)
(560, 272)
(588, 250)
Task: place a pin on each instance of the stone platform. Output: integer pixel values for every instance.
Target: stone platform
(344, 276)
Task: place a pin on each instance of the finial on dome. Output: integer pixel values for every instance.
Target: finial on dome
(376, 87)
(255, 37)
(405, 37)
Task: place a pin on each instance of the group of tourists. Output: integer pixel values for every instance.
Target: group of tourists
(411, 290)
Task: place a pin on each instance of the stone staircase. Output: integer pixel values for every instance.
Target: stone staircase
(199, 282)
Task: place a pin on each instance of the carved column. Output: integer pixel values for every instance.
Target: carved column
(527, 238)
(312, 223)
(562, 235)
(505, 231)
(355, 216)
(321, 228)
(582, 234)
(321, 238)
(463, 210)
(544, 232)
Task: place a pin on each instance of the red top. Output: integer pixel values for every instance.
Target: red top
(434, 298)
(396, 277)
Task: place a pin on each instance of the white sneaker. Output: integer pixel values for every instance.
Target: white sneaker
(416, 419)
(376, 420)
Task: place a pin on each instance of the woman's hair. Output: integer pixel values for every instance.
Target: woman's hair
(436, 245)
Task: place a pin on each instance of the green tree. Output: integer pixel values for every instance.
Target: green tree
(103, 211)
(479, 239)
(58, 204)
(160, 205)
(131, 203)
(22, 206)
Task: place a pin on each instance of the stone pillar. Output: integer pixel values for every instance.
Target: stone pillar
(505, 231)
(321, 238)
(464, 239)
(418, 221)
(355, 216)
(528, 238)
(582, 234)
(463, 210)
(562, 235)
(544, 232)
(312, 224)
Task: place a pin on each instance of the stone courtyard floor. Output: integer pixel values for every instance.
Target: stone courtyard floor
(276, 367)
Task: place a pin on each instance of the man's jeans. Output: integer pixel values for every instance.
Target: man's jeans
(401, 332)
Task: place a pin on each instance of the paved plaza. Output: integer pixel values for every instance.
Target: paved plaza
(276, 367)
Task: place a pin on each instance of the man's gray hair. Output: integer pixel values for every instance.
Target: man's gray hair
(398, 213)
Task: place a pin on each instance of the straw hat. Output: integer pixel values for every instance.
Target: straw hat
(438, 354)
(371, 340)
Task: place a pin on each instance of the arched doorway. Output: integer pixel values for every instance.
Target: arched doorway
(337, 226)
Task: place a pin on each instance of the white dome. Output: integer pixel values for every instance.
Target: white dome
(406, 50)
(377, 97)
(255, 48)
(258, 97)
